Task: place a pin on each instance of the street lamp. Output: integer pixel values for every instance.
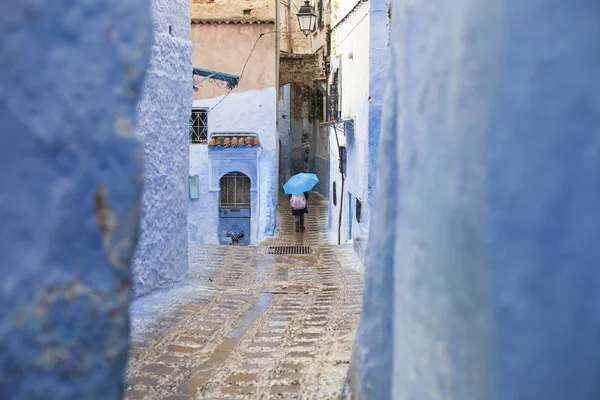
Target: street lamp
(307, 18)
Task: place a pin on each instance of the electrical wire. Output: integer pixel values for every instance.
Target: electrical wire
(244, 68)
(242, 73)
(352, 30)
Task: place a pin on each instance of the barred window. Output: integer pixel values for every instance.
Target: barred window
(199, 126)
(235, 190)
(358, 209)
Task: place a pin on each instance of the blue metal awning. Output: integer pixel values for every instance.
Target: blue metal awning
(231, 80)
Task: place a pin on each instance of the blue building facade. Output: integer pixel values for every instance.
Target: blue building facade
(481, 276)
(244, 114)
(69, 193)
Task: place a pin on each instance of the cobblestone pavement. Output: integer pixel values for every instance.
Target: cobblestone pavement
(261, 326)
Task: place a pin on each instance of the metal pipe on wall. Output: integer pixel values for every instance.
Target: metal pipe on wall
(289, 27)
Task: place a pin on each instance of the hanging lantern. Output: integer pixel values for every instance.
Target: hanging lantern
(307, 18)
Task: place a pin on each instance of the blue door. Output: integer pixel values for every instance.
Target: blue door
(350, 216)
(234, 210)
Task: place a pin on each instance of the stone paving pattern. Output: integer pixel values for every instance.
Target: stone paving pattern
(261, 326)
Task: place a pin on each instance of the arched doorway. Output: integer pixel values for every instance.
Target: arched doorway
(234, 209)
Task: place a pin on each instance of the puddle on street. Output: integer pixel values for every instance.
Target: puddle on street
(261, 333)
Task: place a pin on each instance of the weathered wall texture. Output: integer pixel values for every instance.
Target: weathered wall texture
(226, 48)
(249, 111)
(163, 124)
(489, 220)
(319, 162)
(301, 128)
(293, 39)
(284, 130)
(319, 38)
(299, 68)
(232, 10)
(69, 193)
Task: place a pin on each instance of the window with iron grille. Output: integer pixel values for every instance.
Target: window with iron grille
(235, 190)
(334, 193)
(358, 209)
(199, 125)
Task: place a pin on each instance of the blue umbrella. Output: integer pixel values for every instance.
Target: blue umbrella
(300, 183)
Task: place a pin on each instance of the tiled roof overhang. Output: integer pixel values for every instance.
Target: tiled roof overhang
(225, 21)
(233, 140)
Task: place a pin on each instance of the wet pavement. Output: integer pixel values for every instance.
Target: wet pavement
(255, 325)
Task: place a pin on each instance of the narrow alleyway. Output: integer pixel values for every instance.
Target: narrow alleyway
(255, 325)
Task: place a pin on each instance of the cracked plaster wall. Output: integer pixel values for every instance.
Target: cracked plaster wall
(161, 259)
(69, 194)
(489, 222)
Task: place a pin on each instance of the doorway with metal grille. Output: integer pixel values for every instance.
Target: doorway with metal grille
(234, 209)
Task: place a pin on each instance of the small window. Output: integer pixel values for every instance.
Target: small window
(235, 190)
(199, 126)
(358, 209)
(334, 193)
(247, 11)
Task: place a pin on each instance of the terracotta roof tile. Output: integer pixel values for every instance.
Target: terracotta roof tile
(234, 140)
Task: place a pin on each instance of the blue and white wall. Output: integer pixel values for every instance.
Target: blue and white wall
(284, 130)
(69, 193)
(360, 44)
(320, 158)
(482, 276)
(250, 111)
(163, 124)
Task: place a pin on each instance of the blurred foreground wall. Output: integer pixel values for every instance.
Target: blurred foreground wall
(69, 193)
(483, 265)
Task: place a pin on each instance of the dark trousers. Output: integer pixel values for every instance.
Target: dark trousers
(300, 220)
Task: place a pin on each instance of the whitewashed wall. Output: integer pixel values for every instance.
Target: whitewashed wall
(350, 42)
(250, 111)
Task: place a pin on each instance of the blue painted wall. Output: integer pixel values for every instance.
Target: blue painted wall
(248, 111)
(490, 147)
(284, 118)
(69, 193)
(320, 161)
(378, 80)
(372, 359)
(161, 259)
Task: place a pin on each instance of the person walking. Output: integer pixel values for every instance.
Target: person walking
(299, 203)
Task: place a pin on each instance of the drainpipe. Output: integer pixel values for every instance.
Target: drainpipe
(289, 27)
